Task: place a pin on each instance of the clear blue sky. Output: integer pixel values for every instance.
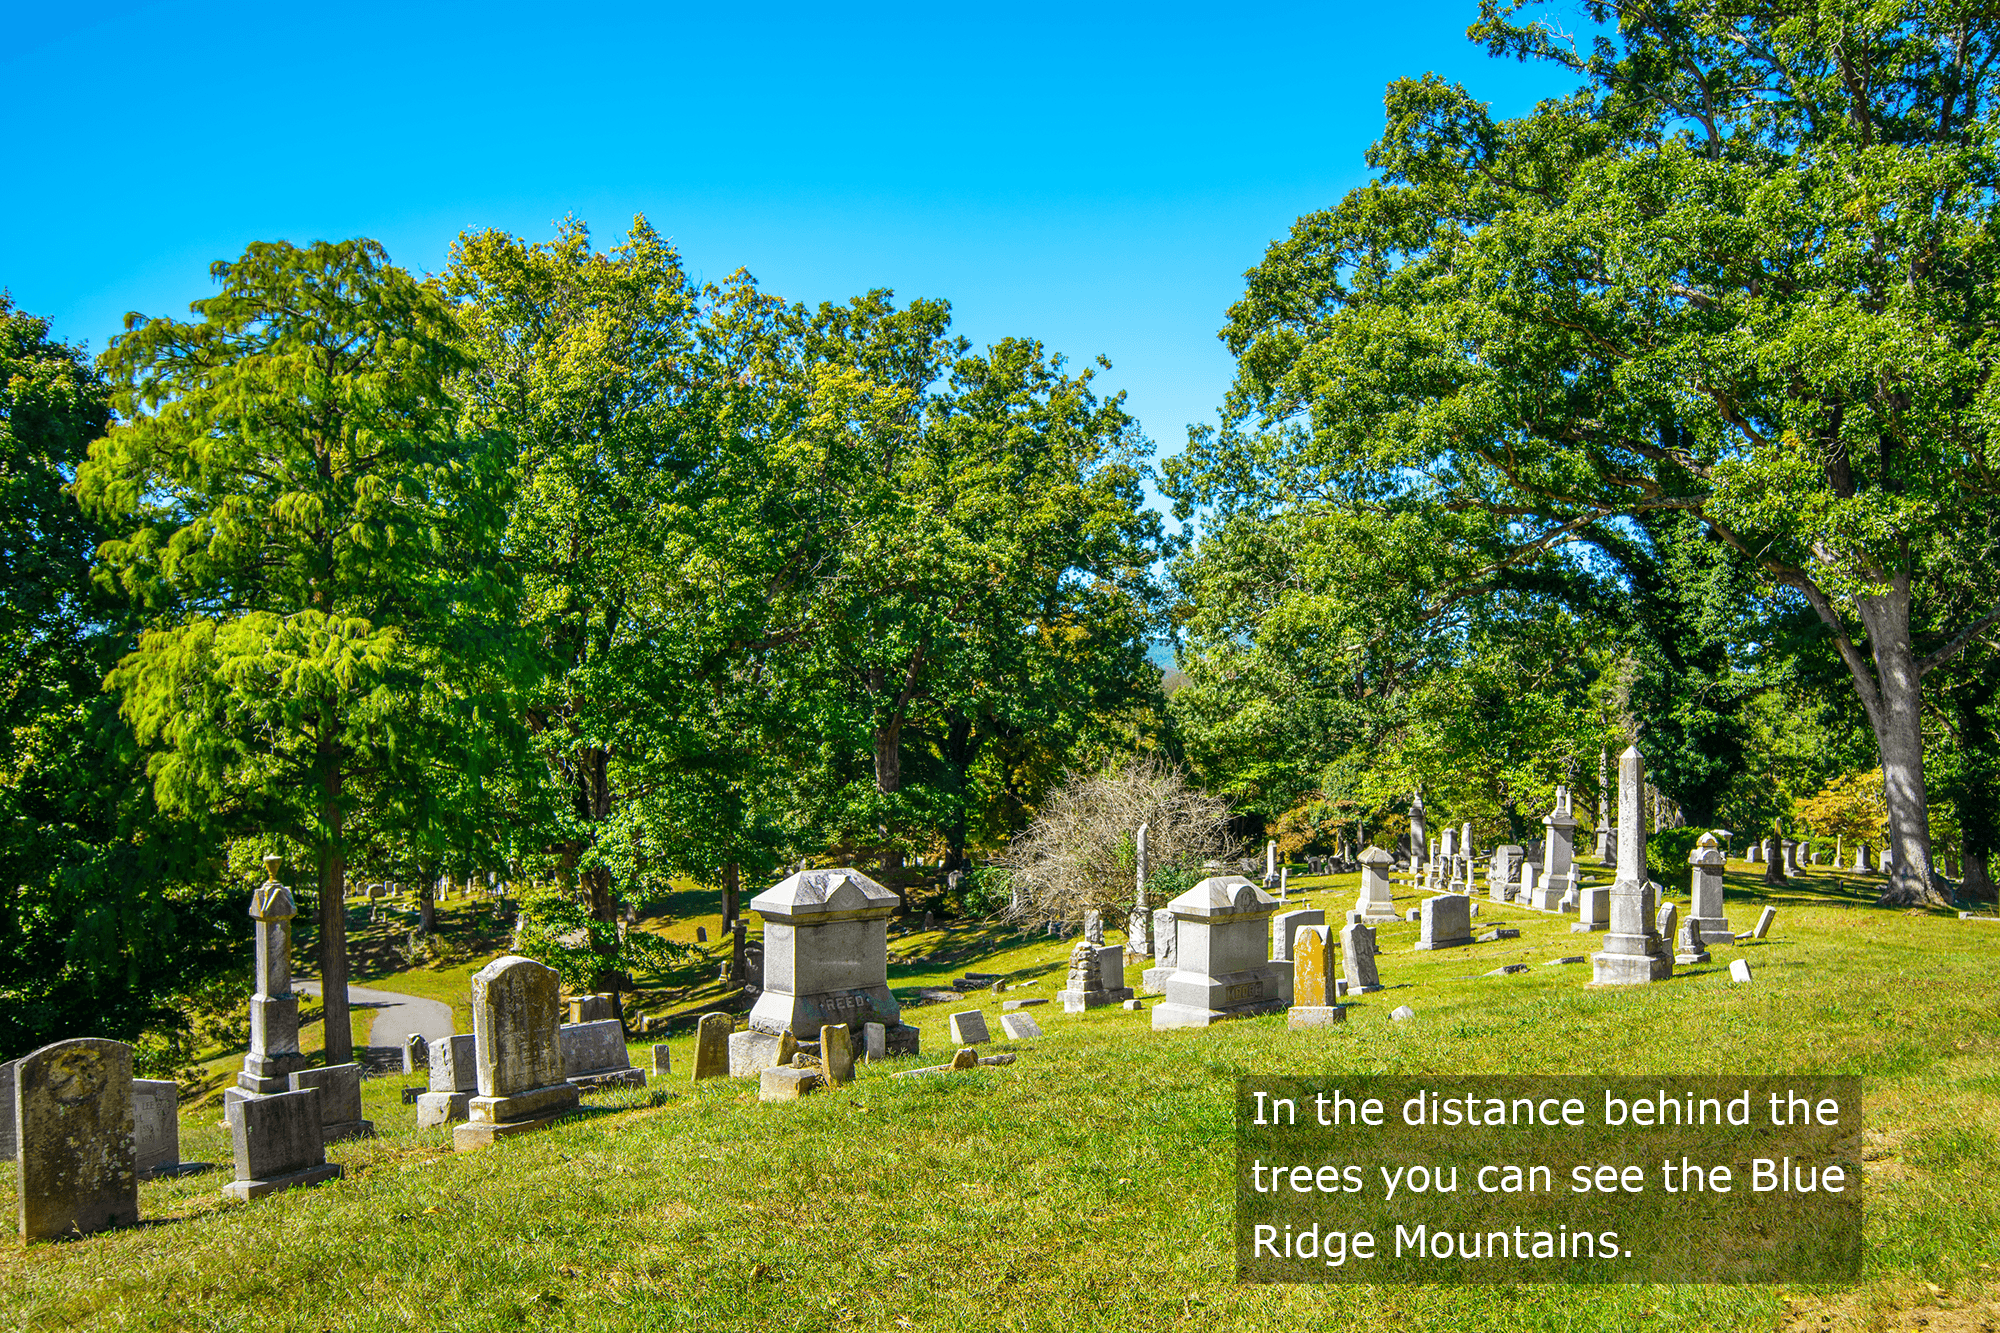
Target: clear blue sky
(1098, 177)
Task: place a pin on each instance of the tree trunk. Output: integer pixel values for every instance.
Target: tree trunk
(888, 780)
(731, 888)
(1978, 880)
(604, 910)
(1895, 710)
(427, 905)
(339, 1031)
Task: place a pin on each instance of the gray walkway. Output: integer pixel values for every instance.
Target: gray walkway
(396, 1016)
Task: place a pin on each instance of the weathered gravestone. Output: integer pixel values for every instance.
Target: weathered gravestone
(1139, 923)
(1223, 967)
(1020, 1027)
(1375, 902)
(339, 1101)
(1093, 928)
(415, 1052)
(826, 958)
(589, 1008)
(1593, 909)
(1705, 890)
(1446, 922)
(1764, 920)
(1691, 950)
(514, 1019)
(278, 1144)
(1286, 924)
(156, 1126)
(1154, 978)
(968, 1028)
(1357, 959)
(454, 1069)
(76, 1161)
(594, 1057)
(1500, 874)
(836, 1054)
(711, 1046)
(874, 1042)
(1666, 920)
(274, 1010)
(1313, 988)
(752, 1052)
(1633, 951)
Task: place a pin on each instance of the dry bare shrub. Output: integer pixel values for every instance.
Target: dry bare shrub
(1079, 855)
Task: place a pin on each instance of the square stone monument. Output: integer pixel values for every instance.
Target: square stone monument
(278, 1144)
(1222, 955)
(515, 1010)
(1633, 953)
(1375, 902)
(1706, 891)
(826, 958)
(76, 1160)
(1446, 922)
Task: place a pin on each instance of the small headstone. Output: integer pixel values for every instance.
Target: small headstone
(1009, 1006)
(415, 1053)
(1132, 1006)
(1692, 948)
(1764, 920)
(1314, 987)
(156, 1126)
(1402, 1013)
(589, 1009)
(1506, 970)
(339, 1101)
(595, 1058)
(967, 1058)
(701, 934)
(278, 1144)
(1357, 958)
(836, 1054)
(77, 1164)
(515, 1006)
(1020, 1027)
(1593, 910)
(1667, 920)
(968, 1028)
(930, 921)
(1502, 933)
(454, 1063)
(1564, 962)
(1739, 969)
(874, 1042)
(1413, 914)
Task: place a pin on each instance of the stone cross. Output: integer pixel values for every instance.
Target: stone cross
(77, 1159)
(1633, 951)
(274, 1053)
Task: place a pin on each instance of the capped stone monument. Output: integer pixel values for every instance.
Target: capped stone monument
(826, 958)
(1706, 888)
(1223, 966)
(1374, 901)
(274, 1054)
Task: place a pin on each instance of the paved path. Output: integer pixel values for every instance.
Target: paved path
(396, 1016)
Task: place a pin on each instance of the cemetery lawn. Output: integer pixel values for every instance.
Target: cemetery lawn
(1089, 1185)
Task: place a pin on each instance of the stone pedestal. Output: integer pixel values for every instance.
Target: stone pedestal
(1705, 909)
(1558, 858)
(1222, 955)
(826, 957)
(1375, 902)
(1633, 950)
(515, 1007)
(454, 1074)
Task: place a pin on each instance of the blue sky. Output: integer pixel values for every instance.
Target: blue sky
(1098, 177)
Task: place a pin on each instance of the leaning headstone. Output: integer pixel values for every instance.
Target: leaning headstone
(1739, 969)
(1286, 924)
(1666, 920)
(1223, 962)
(1446, 922)
(339, 1101)
(274, 1010)
(1764, 920)
(514, 1022)
(278, 1144)
(1375, 902)
(454, 1063)
(594, 1056)
(826, 957)
(415, 1052)
(711, 1046)
(1357, 959)
(76, 1159)
(1633, 951)
(1705, 890)
(968, 1028)
(156, 1126)
(1313, 982)
(1020, 1027)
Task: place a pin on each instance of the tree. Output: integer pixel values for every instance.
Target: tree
(313, 538)
(109, 908)
(1741, 273)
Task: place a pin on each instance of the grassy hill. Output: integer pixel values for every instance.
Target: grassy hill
(1087, 1186)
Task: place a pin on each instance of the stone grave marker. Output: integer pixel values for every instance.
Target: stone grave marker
(826, 958)
(278, 1144)
(1558, 848)
(415, 1052)
(1633, 951)
(1286, 924)
(518, 1055)
(1155, 977)
(1739, 969)
(76, 1161)
(454, 1065)
(786, 1083)
(594, 1057)
(1313, 983)
(874, 1042)
(274, 1010)
(1705, 890)
(339, 1101)
(1446, 922)
(1667, 920)
(1500, 874)
(1764, 920)
(1357, 958)
(1402, 1013)
(1223, 964)
(1691, 950)
(968, 1028)
(836, 1054)
(1020, 1027)
(156, 1126)
(1593, 910)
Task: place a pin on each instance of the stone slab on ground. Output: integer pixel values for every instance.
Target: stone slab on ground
(786, 1084)
(1302, 1016)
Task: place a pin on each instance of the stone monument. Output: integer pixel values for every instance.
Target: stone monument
(454, 1071)
(339, 1101)
(1357, 957)
(1139, 925)
(1088, 986)
(1313, 986)
(1705, 890)
(1223, 967)
(826, 958)
(519, 1058)
(1286, 924)
(77, 1165)
(1500, 874)
(594, 1057)
(274, 1054)
(1558, 859)
(278, 1144)
(1633, 952)
(1446, 922)
(1374, 901)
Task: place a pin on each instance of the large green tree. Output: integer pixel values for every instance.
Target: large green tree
(1744, 272)
(313, 538)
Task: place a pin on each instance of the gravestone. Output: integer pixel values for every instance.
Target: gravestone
(1764, 920)
(751, 1052)
(968, 1028)
(1087, 986)
(1402, 1013)
(826, 957)
(454, 1065)
(517, 1053)
(594, 1057)
(1524, 891)
(1286, 924)
(1375, 902)
(1093, 928)
(1357, 958)
(1861, 865)
(701, 934)
(1020, 1027)
(1500, 874)
(874, 1042)
(1138, 925)
(1739, 969)
(76, 1161)
(1418, 834)
(1313, 982)
(836, 1054)
(278, 1144)
(1691, 948)
(1603, 802)
(1593, 910)
(663, 1060)
(1705, 890)
(786, 1083)
(1667, 920)
(1558, 859)
(274, 1010)
(156, 1126)
(711, 1050)
(1447, 861)
(1446, 922)
(1633, 951)
(339, 1101)
(1222, 954)
(1154, 978)
(415, 1052)
(589, 1008)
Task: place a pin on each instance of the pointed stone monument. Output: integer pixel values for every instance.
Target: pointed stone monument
(1603, 803)
(1139, 929)
(1633, 952)
(274, 1054)
(1418, 846)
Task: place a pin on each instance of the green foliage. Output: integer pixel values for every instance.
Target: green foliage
(558, 929)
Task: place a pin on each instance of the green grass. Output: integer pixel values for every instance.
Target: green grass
(1087, 1186)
